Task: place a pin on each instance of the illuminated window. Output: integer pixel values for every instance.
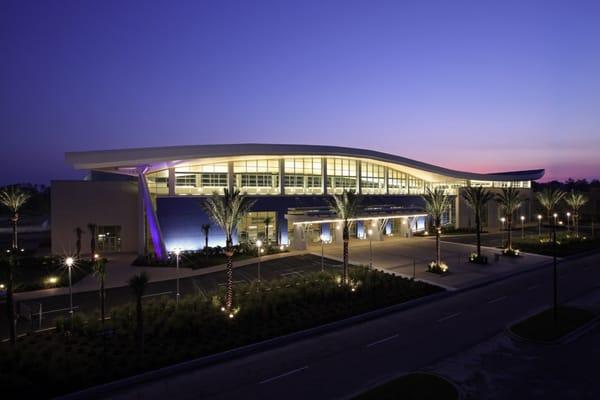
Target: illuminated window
(372, 178)
(257, 176)
(303, 175)
(341, 175)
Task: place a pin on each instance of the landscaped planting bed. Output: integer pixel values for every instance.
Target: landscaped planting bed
(567, 244)
(416, 386)
(72, 358)
(42, 272)
(543, 327)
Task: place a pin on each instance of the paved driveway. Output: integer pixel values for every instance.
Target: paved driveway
(410, 256)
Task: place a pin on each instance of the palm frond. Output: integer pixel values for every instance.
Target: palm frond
(346, 205)
(14, 198)
(509, 200)
(575, 200)
(228, 209)
(436, 203)
(550, 198)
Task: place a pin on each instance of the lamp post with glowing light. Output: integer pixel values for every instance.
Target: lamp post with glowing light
(568, 224)
(539, 225)
(322, 237)
(69, 261)
(522, 227)
(259, 250)
(177, 253)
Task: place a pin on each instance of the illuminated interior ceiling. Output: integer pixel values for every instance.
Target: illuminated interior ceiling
(128, 161)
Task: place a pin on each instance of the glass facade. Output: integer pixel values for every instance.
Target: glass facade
(202, 179)
(259, 225)
(341, 175)
(257, 176)
(109, 238)
(303, 175)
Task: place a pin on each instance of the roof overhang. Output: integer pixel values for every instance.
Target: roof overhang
(158, 158)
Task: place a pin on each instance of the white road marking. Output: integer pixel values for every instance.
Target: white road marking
(448, 317)
(496, 299)
(382, 340)
(283, 375)
(155, 294)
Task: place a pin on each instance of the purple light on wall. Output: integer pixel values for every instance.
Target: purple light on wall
(155, 233)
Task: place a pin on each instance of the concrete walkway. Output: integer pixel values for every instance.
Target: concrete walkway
(119, 270)
(409, 257)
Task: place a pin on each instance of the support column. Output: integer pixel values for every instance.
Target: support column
(281, 176)
(324, 174)
(230, 176)
(358, 176)
(171, 181)
(387, 189)
(151, 219)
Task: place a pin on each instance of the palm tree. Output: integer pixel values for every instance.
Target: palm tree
(346, 206)
(92, 228)
(227, 211)
(14, 198)
(436, 204)
(78, 233)
(138, 284)
(549, 199)
(100, 274)
(205, 230)
(477, 198)
(510, 201)
(267, 221)
(575, 201)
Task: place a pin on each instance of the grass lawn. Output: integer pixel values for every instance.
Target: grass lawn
(417, 386)
(541, 327)
(72, 357)
(567, 245)
(35, 272)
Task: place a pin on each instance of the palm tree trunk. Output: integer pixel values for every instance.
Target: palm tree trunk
(10, 304)
(206, 242)
(478, 227)
(345, 255)
(14, 220)
(229, 272)
(437, 246)
(509, 225)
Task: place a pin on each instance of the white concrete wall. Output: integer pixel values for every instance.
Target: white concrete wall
(77, 203)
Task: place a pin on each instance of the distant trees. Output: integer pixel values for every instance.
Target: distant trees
(78, 234)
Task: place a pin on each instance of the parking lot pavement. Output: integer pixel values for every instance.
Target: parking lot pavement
(57, 306)
(410, 256)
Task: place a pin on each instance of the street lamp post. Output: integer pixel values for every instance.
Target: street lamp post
(539, 217)
(259, 250)
(370, 233)
(555, 305)
(522, 226)
(177, 252)
(322, 237)
(69, 261)
(502, 240)
(568, 225)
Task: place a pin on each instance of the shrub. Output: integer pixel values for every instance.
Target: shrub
(473, 258)
(440, 269)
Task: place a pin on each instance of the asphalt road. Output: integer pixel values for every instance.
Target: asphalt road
(340, 363)
(58, 306)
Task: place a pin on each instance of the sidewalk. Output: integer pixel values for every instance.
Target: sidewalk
(119, 270)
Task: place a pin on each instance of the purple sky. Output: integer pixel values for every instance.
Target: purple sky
(504, 86)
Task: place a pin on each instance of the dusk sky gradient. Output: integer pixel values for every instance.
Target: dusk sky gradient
(481, 86)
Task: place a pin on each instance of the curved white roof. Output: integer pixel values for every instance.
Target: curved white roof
(162, 157)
